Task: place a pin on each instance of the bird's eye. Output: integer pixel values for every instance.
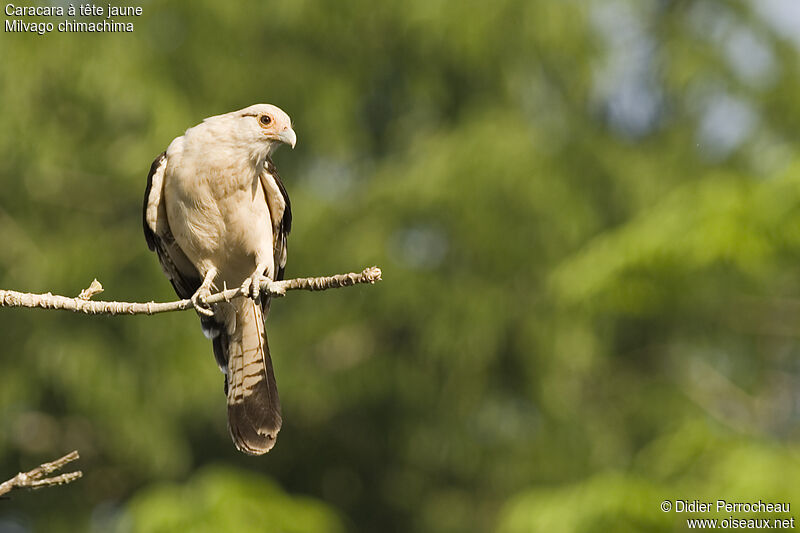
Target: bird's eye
(265, 120)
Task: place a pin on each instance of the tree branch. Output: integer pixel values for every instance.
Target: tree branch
(34, 479)
(83, 304)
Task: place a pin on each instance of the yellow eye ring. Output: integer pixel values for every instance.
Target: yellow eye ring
(265, 120)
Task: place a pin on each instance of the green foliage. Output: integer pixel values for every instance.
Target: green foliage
(721, 220)
(695, 463)
(587, 218)
(222, 499)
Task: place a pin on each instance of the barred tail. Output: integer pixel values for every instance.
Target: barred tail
(254, 410)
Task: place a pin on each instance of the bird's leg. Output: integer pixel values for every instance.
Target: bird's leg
(203, 292)
(252, 284)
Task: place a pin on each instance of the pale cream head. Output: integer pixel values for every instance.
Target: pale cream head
(257, 130)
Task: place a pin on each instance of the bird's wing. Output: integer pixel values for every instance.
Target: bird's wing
(280, 210)
(176, 266)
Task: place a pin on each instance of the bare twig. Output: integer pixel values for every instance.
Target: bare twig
(35, 479)
(83, 304)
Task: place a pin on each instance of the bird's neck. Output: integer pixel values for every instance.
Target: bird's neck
(221, 150)
(227, 158)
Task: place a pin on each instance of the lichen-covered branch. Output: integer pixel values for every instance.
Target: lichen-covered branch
(83, 303)
(34, 479)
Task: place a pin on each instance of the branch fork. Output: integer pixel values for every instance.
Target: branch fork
(34, 479)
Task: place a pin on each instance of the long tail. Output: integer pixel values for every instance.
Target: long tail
(254, 409)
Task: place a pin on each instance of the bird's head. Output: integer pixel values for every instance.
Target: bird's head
(269, 123)
(259, 129)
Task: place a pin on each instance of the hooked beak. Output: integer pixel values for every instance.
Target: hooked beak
(288, 136)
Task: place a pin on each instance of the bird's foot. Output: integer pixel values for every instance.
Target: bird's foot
(199, 302)
(252, 285)
(203, 292)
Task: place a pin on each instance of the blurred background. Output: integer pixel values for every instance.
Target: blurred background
(587, 214)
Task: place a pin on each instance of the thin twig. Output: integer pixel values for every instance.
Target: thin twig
(34, 479)
(82, 303)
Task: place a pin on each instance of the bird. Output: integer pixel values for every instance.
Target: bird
(218, 216)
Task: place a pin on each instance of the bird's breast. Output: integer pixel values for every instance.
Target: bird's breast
(221, 221)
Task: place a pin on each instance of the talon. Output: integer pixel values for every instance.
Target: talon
(255, 287)
(202, 293)
(245, 287)
(252, 286)
(199, 302)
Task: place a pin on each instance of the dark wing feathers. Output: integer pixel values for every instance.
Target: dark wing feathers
(184, 282)
(149, 236)
(285, 224)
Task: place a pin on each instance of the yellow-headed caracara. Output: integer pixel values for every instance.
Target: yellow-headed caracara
(217, 215)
